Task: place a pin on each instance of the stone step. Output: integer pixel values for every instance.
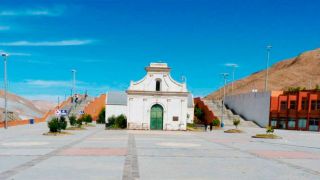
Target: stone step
(216, 108)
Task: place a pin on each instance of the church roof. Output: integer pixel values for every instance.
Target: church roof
(117, 98)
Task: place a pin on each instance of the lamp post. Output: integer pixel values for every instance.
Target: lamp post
(225, 76)
(234, 66)
(73, 91)
(269, 47)
(5, 56)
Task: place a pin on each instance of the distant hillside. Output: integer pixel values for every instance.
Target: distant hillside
(20, 107)
(303, 71)
(44, 106)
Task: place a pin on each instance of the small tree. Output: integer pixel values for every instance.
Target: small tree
(199, 114)
(317, 88)
(121, 121)
(73, 120)
(101, 117)
(79, 122)
(216, 122)
(87, 118)
(111, 121)
(54, 125)
(236, 122)
(63, 123)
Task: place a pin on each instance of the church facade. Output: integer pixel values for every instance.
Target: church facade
(156, 102)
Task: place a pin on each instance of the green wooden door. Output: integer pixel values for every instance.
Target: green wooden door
(156, 117)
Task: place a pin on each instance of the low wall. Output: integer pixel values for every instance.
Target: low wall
(251, 106)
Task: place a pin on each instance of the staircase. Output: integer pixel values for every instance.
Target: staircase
(74, 108)
(216, 107)
(77, 107)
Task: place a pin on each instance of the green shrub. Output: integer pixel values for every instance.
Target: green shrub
(111, 121)
(102, 116)
(236, 122)
(87, 118)
(191, 125)
(121, 121)
(63, 123)
(216, 122)
(269, 130)
(79, 122)
(54, 125)
(199, 114)
(73, 120)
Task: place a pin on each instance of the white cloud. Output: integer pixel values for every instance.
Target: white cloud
(15, 53)
(45, 97)
(47, 43)
(4, 28)
(231, 64)
(56, 11)
(48, 83)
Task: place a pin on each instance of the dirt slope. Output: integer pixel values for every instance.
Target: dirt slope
(303, 71)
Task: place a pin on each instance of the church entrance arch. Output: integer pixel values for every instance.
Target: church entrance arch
(156, 117)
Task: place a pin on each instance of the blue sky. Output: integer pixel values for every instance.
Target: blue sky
(109, 42)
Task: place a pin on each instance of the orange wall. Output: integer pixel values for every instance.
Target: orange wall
(95, 106)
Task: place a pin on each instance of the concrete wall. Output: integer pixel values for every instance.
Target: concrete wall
(251, 106)
(115, 110)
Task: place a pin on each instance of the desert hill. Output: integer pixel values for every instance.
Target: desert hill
(21, 108)
(300, 71)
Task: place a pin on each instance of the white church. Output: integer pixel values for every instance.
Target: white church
(156, 102)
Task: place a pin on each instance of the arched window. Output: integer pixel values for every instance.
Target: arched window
(158, 85)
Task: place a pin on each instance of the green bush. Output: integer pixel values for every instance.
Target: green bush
(102, 116)
(121, 121)
(87, 118)
(236, 122)
(111, 121)
(117, 122)
(79, 122)
(269, 130)
(73, 120)
(63, 123)
(216, 122)
(54, 125)
(199, 114)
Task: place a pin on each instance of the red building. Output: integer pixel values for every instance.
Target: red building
(295, 110)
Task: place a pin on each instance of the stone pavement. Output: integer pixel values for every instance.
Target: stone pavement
(119, 154)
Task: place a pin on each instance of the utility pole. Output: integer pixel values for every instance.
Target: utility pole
(269, 47)
(225, 76)
(5, 56)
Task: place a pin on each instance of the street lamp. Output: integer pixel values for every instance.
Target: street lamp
(269, 47)
(73, 91)
(225, 76)
(5, 56)
(234, 66)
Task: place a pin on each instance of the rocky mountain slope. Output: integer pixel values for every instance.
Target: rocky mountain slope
(20, 108)
(303, 71)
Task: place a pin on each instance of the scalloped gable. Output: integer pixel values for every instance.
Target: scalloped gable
(158, 72)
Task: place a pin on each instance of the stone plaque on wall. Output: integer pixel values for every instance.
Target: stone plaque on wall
(175, 118)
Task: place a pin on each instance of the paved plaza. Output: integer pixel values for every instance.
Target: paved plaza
(120, 154)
